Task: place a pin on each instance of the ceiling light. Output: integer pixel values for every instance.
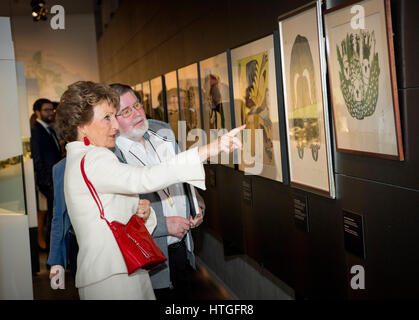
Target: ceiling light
(39, 11)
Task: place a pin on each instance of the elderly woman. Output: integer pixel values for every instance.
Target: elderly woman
(86, 118)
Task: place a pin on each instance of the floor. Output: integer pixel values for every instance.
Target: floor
(203, 287)
(41, 284)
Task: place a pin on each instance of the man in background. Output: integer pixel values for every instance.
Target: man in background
(46, 152)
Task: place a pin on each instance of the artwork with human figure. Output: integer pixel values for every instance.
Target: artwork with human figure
(216, 105)
(190, 110)
(138, 90)
(256, 105)
(146, 97)
(363, 81)
(305, 100)
(172, 101)
(157, 106)
(216, 114)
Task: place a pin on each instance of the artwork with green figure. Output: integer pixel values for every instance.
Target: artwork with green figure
(254, 86)
(359, 73)
(304, 124)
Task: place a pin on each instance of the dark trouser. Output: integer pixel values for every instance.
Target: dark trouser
(50, 200)
(180, 274)
(49, 194)
(73, 251)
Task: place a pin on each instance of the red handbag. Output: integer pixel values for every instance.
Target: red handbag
(135, 242)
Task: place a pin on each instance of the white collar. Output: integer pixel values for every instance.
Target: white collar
(46, 126)
(125, 144)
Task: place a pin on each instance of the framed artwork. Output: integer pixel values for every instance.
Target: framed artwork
(146, 97)
(216, 103)
(362, 77)
(157, 105)
(190, 110)
(256, 105)
(138, 89)
(172, 100)
(305, 99)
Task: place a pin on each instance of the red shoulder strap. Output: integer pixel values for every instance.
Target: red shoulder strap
(92, 190)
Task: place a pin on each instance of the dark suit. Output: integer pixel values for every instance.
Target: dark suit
(45, 154)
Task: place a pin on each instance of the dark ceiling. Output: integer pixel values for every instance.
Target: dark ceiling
(10, 8)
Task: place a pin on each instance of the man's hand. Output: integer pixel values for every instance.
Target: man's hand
(195, 222)
(143, 210)
(177, 226)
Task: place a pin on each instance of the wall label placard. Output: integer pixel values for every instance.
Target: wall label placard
(247, 192)
(353, 227)
(301, 211)
(212, 178)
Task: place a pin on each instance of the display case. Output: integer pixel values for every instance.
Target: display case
(12, 199)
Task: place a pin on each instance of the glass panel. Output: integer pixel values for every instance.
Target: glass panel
(12, 194)
(26, 146)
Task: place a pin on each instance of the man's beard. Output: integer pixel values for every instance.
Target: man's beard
(47, 120)
(135, 133)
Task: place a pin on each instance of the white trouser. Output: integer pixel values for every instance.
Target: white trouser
(136, 286)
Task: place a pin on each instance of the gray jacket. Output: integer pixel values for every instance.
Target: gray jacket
(160, 276)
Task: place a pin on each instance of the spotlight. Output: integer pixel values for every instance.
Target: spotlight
(39, 11)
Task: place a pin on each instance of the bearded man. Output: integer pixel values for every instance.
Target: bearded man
(178, 208)
(46, 152)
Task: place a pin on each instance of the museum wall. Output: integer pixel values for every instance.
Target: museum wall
(147, 39)
(56, 58)
(386, 192)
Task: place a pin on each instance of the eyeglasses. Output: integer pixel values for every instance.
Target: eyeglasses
(48, 110)
(126, 112)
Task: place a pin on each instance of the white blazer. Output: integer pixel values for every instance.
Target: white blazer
(118, 186)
